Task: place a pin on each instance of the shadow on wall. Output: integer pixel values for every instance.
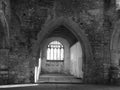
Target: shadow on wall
(2, 35)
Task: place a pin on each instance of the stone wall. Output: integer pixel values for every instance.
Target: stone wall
(21, 67)
(4, 23)
(28, 17)
(4, 40)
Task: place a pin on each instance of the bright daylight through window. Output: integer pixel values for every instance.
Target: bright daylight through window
(55, 51)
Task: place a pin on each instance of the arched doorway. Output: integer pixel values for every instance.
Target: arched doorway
(77, 35)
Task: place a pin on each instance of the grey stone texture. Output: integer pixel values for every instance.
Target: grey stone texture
(26, 19)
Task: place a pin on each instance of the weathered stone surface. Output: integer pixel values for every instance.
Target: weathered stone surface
(95, 17)
(88, 14)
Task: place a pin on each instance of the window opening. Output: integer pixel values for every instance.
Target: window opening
(55, 51)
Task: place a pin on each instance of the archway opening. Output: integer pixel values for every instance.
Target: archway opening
(61, 55)
(66, 31)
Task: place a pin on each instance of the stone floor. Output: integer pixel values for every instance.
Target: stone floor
(58, 82)
(59, 87)
(59, 78)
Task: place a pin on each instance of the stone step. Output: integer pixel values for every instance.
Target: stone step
(58, 79)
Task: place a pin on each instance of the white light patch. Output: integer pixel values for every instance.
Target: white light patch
(19, 85)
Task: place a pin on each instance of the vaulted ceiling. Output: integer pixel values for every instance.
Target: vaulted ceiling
(63, 32)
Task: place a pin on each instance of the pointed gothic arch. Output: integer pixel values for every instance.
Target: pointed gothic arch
(51, 25)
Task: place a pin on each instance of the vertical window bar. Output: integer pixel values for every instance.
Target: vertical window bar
(57, 53)
(50, 54)
(60, 53)
(53, 53)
